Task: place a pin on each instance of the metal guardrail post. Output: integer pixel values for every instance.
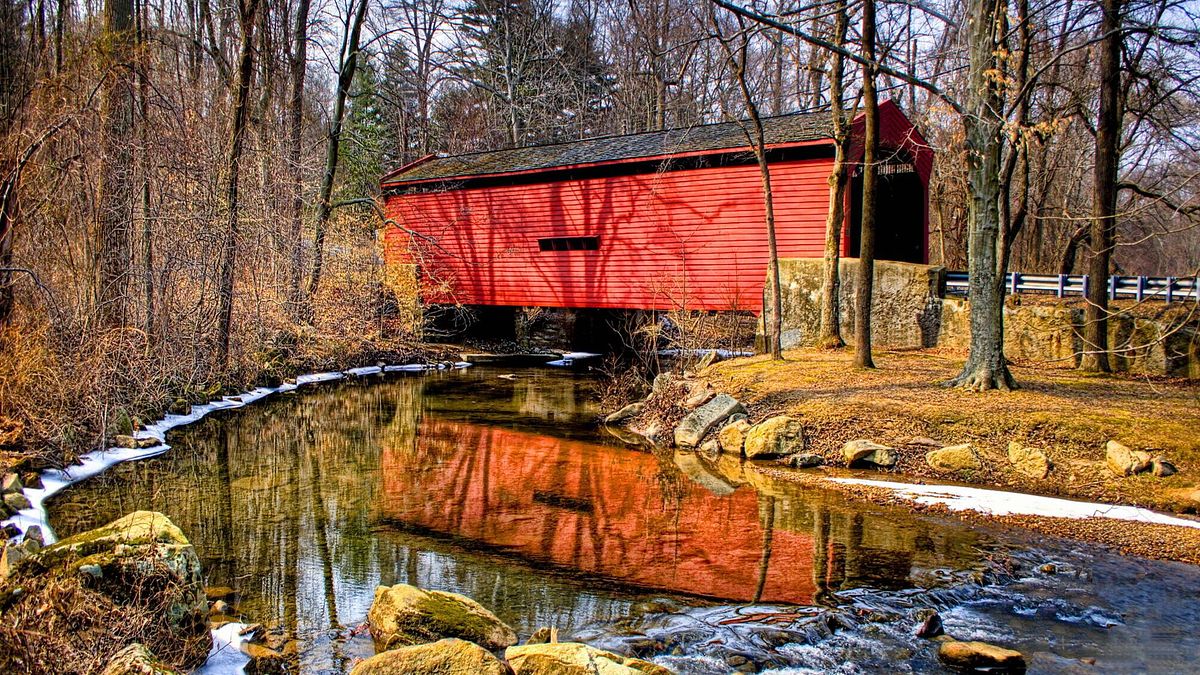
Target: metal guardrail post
(1141, 288)
(1062, 285)
(1085, 285)
(1016, 282)
(1170, 289)
(1113, 281)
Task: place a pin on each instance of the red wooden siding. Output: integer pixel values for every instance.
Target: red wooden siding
(693, 239)
(687, 239)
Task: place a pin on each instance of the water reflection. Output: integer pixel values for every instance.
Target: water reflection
(497, 488)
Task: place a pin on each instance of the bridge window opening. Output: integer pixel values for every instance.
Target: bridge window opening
(569, 244)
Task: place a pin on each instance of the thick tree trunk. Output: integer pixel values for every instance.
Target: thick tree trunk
(248, 11)
(866, 252)
(332, 149)
(1104, 199)
(839, 179)
(986, 367)
(298, 65)
(115, 210)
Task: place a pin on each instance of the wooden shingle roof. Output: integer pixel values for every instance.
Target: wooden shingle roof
(782, 129)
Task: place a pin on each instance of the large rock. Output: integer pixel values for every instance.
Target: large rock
(444, 657)
(624, 414)
(953, 459)
(775, 437)
(869, 452)
(404, 615)
(1029, 461)
(136, 659)
(1123, 461)
(1159, 466)
(10, 483)
(17, 501)
(573, 658)
(702, 420)
(973, 656)
(139, 551)
(732, 436)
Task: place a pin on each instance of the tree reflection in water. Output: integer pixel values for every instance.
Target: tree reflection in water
(500, 489)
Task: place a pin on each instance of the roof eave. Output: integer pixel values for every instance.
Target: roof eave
(390, 181)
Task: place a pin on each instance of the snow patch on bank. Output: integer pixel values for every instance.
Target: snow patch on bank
(569, 358)
(226, 655)
(1001, 503)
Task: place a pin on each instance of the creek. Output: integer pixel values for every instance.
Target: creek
(499, 485)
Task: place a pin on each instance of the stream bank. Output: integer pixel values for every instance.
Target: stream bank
(1118, 442)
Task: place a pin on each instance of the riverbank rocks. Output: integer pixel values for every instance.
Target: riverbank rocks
(698, 394)
(1029, 461)
(125, 441)
(806, 461)
(11, 483)
(1160, 467)
(954, 459)
(17, 501)
(1123, 461)
(141, 558)
(625, 414)
(778, 436)
(700, 421)
(404, 615)
(136, 659)
(450, 656)
(574, 658)
(980, 656)
(862, 451)
(732, 436)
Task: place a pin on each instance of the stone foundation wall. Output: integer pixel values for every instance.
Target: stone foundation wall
(904, 305)
(909, 310)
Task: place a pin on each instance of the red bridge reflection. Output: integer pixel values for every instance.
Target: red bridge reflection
(601, 511)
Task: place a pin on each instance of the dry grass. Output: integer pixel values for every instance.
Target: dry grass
(1068, 414)
(57, 624)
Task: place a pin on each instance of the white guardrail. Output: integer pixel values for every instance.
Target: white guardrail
(1167, 289)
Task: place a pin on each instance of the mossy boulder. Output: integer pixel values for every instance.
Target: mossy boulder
(574, 658)
(136, 659)
(1123, 461)
(404, 615)
(141, 558)
(444, 657)
(778, 436)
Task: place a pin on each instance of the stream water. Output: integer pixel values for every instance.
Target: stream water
(501, 487)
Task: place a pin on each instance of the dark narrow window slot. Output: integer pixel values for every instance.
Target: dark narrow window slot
(569, 244)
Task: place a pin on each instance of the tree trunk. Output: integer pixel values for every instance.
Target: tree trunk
(324, 205)
(1104, 199)
(115, 210)
(839, 179)
(143, 81)
(985, 367)
(866, 252)
(248, 11)
(298, 65)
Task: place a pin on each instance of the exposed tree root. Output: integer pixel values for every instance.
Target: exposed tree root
(984, 378)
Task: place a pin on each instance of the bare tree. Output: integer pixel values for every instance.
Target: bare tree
(247, 15)
(1104, 199)
(736, 53)
(115, 212)
(864, 287)
(298, 65)
(351, 37)
(839, 181)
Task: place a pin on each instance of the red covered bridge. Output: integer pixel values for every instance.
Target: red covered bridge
(658, 220)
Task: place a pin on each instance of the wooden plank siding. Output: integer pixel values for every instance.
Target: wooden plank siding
(686, 239)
